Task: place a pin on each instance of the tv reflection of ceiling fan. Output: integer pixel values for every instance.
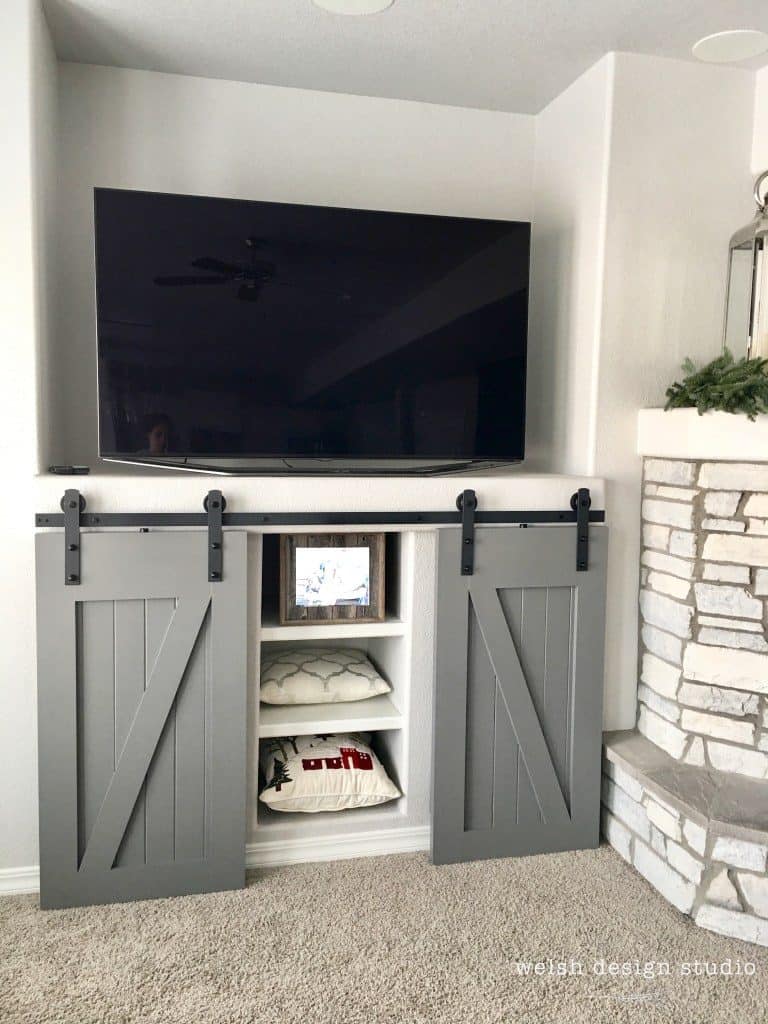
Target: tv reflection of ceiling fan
(251, 276)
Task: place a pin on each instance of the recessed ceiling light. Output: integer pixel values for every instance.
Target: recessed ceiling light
(354, 6)
(728, 47)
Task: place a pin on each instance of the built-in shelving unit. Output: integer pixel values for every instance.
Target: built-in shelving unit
(387, 716)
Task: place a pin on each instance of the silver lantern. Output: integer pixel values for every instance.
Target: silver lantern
(746, 304)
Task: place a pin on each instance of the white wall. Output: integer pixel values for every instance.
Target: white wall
(27, 83)
(641, 176)
(139, 129)
(678, 177)
(44, 91)
(569, 199)
(760, 125)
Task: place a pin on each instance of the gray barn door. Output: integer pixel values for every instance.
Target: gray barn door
(141, 713)
(518, 694)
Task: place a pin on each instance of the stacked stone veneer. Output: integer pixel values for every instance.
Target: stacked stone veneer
(719, 879)
(703, 690)
(702, 696)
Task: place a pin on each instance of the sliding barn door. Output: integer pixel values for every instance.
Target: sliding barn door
(518, 698)
(141, 710)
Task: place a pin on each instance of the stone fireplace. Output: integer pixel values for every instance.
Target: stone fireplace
(703, 650)
(686, 793)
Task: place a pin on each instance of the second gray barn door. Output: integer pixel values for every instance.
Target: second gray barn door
(141, 711)
(518, 694)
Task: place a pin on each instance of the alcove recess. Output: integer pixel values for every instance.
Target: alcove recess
(388, 645)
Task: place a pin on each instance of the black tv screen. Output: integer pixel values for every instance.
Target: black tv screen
(266, 336)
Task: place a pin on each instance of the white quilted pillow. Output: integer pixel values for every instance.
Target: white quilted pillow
(323, 773)
(318, 675)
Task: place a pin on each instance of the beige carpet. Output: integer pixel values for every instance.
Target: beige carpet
(389, 939)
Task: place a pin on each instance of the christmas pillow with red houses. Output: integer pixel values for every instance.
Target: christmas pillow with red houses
(323, 773)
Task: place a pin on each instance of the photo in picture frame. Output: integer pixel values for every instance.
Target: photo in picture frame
(332, 577)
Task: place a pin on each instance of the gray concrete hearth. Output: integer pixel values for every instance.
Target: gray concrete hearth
(698, 835)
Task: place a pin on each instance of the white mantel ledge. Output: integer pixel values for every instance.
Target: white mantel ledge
(719, 436)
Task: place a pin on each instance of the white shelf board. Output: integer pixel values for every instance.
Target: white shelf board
(386, 815)
(272, 630)
(351, 716)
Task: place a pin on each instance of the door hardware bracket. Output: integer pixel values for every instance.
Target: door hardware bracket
(466, 503)
(72, 504)
(214, 504)
(580, 503)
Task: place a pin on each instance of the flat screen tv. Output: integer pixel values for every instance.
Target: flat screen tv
(263, 337)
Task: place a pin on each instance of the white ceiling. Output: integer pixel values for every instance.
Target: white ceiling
(497, 54)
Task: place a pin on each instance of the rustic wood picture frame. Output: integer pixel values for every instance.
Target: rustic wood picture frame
(292, 614)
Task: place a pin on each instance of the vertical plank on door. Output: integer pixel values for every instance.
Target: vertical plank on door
(160, 789)
(532, 649)
(190, 802)
(95, 711)
(532, 653)
(556, 717)
(517, 610)
(506, 772)
(481, 689)
(507, 758)
(130, 675)
(209, 711)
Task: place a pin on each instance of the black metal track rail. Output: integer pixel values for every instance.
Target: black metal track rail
(215, 517)
(160, 519)
(73, 518)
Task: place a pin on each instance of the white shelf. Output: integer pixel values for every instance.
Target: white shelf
(346, 630)
(386, 815)
(350, 716)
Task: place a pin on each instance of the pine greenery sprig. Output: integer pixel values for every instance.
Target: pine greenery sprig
(725, 384)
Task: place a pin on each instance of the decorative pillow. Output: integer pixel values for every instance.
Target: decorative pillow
(318, 675)
(323, 773)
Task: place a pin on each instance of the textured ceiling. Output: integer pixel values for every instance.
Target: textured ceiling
(497, 54)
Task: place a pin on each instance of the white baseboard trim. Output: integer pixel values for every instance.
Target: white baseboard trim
(312, 849)
(276, 852)
(17, 881)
